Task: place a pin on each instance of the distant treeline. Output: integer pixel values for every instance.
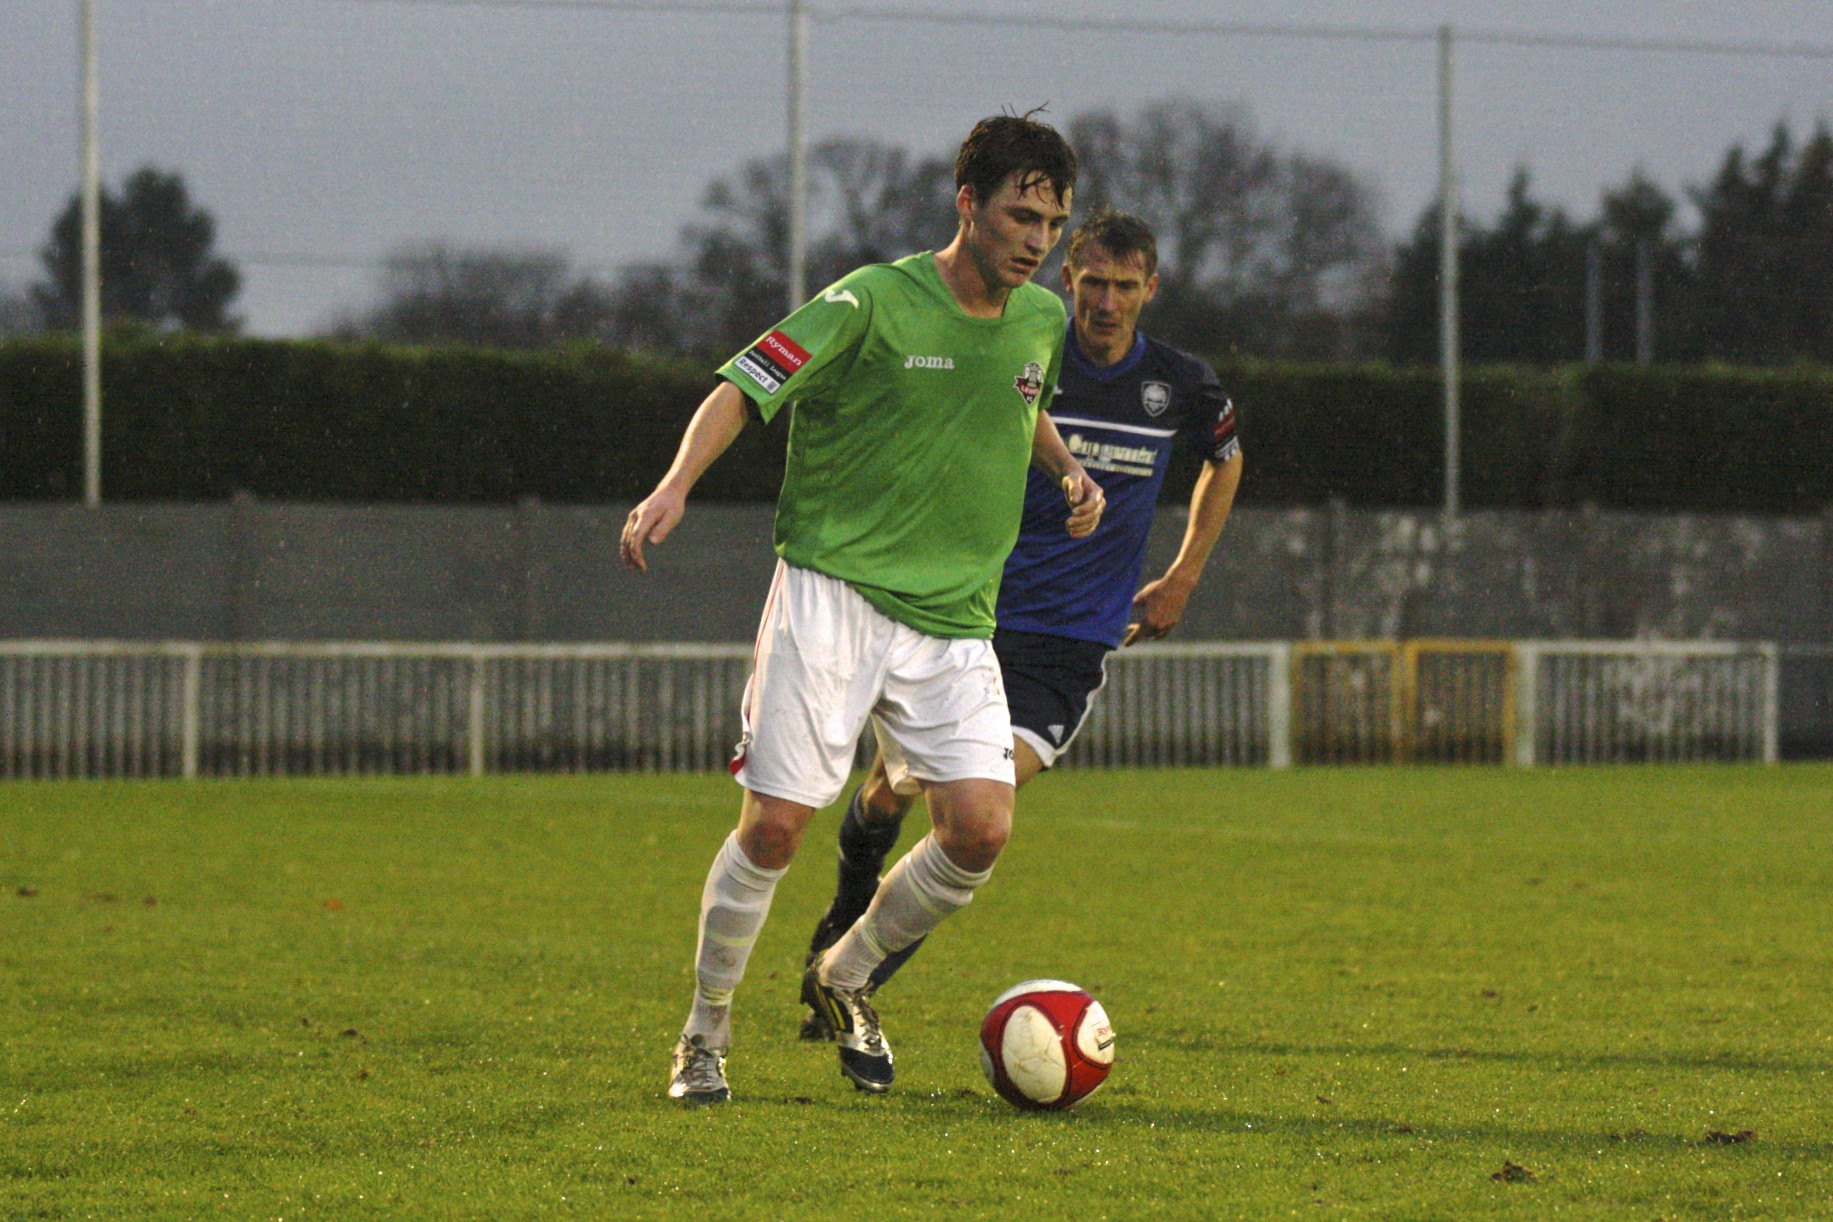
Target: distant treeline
(190, 418)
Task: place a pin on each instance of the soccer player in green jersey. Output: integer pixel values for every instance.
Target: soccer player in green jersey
(918, 389)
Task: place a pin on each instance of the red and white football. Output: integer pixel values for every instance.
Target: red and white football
(1046, 1044)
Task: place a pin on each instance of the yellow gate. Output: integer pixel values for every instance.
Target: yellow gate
(1380, 702)
(1459, 702)
(1347, 702)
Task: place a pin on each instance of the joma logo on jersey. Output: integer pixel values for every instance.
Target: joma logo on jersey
(929, 362)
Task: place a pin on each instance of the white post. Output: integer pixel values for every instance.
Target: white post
(1772, 701)
(797, 278)
(475, 738)
(1279, 706)
(1448, 270)
(1527, 704)
(92, 266)
(191, 714)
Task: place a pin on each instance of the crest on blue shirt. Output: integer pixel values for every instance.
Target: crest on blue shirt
(1155, 397)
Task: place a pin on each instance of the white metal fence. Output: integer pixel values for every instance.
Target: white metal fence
(124, 709)
(1587, 702)
(1190, 704)
(86, 709)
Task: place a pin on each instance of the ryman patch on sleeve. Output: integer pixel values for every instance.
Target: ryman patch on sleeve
(772, 361)
(1222, 442)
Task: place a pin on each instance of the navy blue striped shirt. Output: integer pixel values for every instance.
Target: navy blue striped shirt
(1121, 422)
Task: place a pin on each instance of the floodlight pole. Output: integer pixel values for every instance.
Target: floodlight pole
(1448, 271)
(92, 267)
(797, 278)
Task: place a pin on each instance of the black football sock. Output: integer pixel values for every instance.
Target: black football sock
(863, 848)
(896, 959)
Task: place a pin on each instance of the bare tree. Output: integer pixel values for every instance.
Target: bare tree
(869, 202)
(1261, 251)
(431, 292)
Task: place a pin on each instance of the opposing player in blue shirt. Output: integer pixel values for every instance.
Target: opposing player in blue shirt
(1123, 402)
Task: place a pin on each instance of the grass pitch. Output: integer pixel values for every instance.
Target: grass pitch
(1339, 994)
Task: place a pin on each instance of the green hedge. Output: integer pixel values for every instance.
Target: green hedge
(203, 419)
(190, 418)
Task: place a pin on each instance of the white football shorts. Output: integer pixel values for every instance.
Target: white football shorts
(827, 662)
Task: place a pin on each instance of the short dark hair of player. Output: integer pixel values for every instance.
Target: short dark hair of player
(1121, 234)
(1002, 145)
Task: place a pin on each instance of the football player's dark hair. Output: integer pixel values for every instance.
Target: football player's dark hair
(1003, 145)
(1121, 234)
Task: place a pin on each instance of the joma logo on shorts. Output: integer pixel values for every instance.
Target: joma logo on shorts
(929, 362)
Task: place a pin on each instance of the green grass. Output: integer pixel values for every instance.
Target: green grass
(1339, 994)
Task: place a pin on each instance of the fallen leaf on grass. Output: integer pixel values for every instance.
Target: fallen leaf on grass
(1323, 1098)
(334, 905)
(26, 893)
(1739, 1138)
(1513, 1173)
(349, 1033)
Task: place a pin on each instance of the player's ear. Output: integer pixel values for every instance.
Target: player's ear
(1069, 278)
(964, 203)
(1151, 288)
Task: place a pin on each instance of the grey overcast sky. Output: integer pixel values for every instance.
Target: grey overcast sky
(321, 133)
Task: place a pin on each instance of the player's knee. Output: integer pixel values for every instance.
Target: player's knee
(770, 832)
(770, 845)
(974, 839)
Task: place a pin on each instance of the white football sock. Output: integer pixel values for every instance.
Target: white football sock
(919, 891)
(733, 906)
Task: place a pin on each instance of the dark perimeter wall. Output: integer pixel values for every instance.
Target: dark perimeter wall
(263, 571)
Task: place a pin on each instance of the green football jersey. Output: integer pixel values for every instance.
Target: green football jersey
(910, 439)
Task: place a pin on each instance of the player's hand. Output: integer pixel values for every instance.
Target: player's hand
(650, 522)
(1160, 605)
(1086, 503)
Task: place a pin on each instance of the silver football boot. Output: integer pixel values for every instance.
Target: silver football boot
(699, 1072)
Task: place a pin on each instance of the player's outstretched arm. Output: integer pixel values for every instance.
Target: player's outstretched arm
(1160, 604)
(717, 423)
(1086, 499)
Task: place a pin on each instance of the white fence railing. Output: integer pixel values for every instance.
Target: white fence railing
(129, 709)
(1586, 702)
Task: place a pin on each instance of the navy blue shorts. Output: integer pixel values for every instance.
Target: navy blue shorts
(1050, 681)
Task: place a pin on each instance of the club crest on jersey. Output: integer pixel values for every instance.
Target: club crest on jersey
(1155, 397)
(1030, 381)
